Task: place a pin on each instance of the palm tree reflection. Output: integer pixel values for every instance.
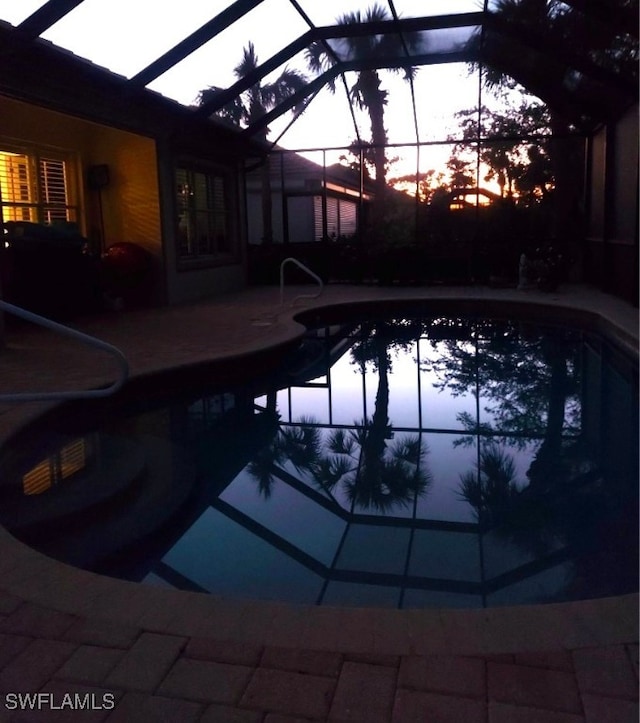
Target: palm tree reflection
(375, 471)
(491, 489)
(373, 475)
(300, 445)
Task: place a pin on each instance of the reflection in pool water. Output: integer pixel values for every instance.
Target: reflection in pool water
(431, 462)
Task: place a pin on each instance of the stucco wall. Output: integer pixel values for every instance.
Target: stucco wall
(130, 203)
(612, 243)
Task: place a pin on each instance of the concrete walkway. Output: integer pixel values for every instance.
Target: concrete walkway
(127, 652)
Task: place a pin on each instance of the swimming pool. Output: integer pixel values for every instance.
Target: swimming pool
(405, 462)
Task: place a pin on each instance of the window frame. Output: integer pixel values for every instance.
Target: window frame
(39, 208)
(213, 255)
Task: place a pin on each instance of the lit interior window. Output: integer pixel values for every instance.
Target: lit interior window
(35, 188)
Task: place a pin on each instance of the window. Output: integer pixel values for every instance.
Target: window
(341, 218)
(205, 229)
(35, 187)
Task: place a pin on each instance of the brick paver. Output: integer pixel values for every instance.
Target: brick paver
(33, 667)
(77, 702)
(154, 709)
(293, 694)
(316, 662)
(8, 602)
(226, 714)
(415, 706)
(146, 663)
(599, 709)
(605, 671)
(389, 661)
(364, 693)
(90, 664)
(223, 651)
(507, 713)
(444, 674)
(38, 622)
(10, 646)
(633, 653)
(102, 632)
(533, 687)
(206, 681)
(556, 660)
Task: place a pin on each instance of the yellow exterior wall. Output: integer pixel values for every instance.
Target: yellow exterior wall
(130, 203)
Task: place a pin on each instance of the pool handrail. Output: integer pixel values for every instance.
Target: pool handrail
(79, 336)
(300, 265)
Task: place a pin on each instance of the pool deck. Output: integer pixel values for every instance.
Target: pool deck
(165, 655)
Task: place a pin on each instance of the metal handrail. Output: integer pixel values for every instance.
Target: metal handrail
(78, 336)
(300, 265)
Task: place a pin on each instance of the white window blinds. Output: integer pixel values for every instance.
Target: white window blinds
(35, 188)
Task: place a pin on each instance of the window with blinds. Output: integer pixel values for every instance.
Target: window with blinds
(35, 188)
(348, 218)
(204, 223)
(341, 218)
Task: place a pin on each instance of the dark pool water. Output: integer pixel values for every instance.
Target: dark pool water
(398, 462)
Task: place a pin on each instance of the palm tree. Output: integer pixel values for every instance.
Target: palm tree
(252, 105)
(366, 92)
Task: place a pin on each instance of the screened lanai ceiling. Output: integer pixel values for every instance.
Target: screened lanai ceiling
(579, 57)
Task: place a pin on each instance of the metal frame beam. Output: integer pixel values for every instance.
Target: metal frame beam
(46, 16)
(333, 32)
(194, 41)
(353, 65)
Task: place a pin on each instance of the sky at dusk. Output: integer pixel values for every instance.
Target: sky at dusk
(96, 30)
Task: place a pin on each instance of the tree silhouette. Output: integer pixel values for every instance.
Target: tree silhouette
(522, 170)
(256, 101)
(367, 92)
(603, 28)
(252, 105)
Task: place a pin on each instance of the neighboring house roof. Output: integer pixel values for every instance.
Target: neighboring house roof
(461, 191)
(304, 175)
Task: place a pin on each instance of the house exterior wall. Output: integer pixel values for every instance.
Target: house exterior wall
(190, 282)
(138, 203)
(303, 183)
(301, 219)
(254, 217)
(130, 202)
(625, 210)
(612, 242)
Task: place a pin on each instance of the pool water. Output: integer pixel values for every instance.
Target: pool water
(391, 462)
